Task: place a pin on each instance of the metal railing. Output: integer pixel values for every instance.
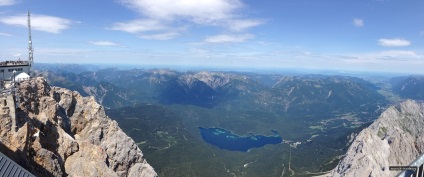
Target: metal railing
(415, 169)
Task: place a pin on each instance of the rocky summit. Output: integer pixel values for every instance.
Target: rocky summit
(396, 138)
(57, 132)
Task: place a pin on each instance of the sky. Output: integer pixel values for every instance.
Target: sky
(351, 35)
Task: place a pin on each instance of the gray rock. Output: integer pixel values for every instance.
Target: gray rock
(394, 139)
(61, 133)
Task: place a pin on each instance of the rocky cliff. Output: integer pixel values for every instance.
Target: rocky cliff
(57, 132)
(396, 138)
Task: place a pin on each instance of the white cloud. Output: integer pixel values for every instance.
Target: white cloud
(136, 26)
(62, 51)
(17, 55)
(358, 22)
(161, 36)
(228, 38)
(5, 34)
(241, 25)
(44, 23)
(144, 26)
(395, 42)
(164, 16)
(382, 56)
(397, 54)
(103, 43)
(198, 51)
(201, 11)
(7, 2)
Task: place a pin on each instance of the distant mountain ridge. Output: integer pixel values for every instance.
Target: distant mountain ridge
(331, 93)
(117, 88)
(409, 87)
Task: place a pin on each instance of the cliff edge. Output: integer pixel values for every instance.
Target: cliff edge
(394, 139)
(57, 132)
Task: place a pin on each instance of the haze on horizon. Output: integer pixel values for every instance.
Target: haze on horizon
(376, 35)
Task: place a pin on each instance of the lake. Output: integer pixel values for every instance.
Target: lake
(224, 139)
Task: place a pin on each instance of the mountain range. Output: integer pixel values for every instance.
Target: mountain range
(161, 109)
(309, 94)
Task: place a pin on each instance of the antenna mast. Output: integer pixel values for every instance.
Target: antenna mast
(30, 49)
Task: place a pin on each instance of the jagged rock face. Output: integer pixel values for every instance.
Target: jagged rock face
(61, 133)
(394, 139)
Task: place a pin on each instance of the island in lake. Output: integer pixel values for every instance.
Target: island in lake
(226, 140)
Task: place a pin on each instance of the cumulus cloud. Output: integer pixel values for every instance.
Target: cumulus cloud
(7, 2)
(358, 22)
(394, 42)
(224, 38)
(103, 43)
(200, 11)
(164, 16)
(44, 23)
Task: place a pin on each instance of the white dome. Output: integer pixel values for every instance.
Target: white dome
(22, 76)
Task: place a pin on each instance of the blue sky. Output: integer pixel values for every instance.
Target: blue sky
(364, 35)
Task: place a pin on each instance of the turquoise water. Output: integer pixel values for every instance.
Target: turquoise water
(226, 140)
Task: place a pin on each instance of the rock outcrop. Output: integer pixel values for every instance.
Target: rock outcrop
(58, 132)
(396, 138)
